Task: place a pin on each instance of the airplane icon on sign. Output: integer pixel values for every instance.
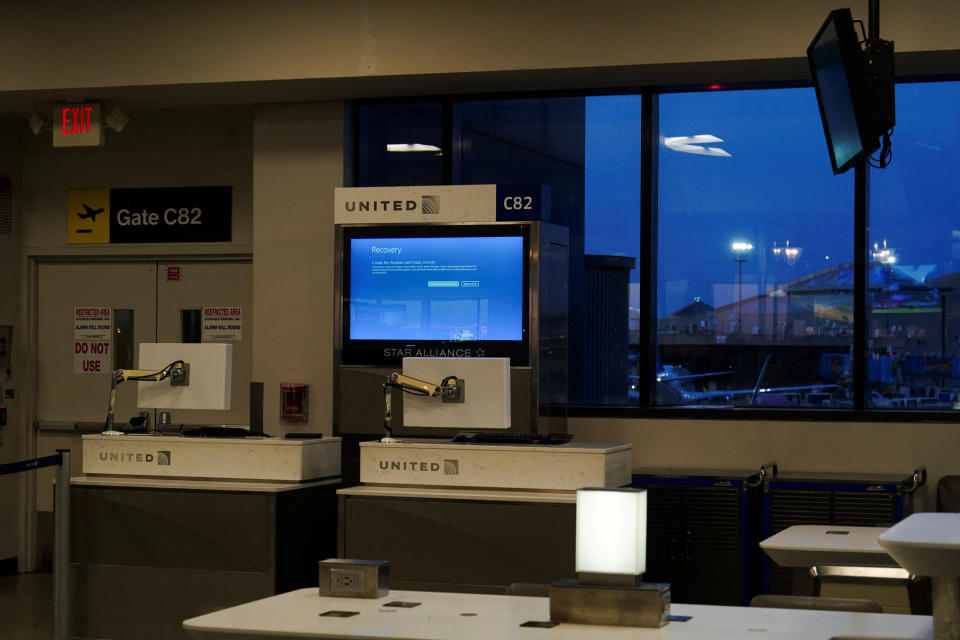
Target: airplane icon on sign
(91, 213)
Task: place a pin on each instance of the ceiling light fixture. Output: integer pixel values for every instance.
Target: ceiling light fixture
(38, 123)
(695, 144)
(116, 120)
(408, 147)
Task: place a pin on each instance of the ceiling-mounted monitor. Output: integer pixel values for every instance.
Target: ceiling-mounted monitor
(435, 290)
(839, 71)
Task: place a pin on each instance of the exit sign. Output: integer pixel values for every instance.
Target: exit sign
(77, 125)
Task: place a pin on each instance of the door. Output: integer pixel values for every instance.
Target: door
(183, 290)
(147, 302)
(66, 398)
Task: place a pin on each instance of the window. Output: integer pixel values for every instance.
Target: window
(755, 252)
(914, 330)
(399, 144)
(612, 249)
(587, 150)
(753, 248)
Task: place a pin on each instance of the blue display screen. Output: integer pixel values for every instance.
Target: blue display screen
(446, 288)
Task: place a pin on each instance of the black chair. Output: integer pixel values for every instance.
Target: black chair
(948, 494)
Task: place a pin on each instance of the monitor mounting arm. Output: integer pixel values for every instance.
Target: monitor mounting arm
(178, 372)
(450, 389)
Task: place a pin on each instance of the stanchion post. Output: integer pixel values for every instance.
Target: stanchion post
(61, 547)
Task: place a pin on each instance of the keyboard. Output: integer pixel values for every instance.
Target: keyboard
(510, 437)
(215, 432)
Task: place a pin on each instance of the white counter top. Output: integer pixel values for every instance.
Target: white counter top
(807, 545)
(459, 616)
(573, 446)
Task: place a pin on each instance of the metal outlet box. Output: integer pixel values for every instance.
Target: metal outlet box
(354, 578)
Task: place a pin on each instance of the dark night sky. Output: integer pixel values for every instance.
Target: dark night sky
(775, 186)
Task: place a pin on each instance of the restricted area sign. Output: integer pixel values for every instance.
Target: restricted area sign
(222, 324)
(92, 339)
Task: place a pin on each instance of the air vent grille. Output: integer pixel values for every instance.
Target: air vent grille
(6, 213)
(695, 542)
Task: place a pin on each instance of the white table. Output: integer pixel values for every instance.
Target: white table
(808, 545)
(459, 616)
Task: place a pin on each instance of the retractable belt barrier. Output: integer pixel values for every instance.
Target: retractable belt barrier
(29, 465)
(61, 529)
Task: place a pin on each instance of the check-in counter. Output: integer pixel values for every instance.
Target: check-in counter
(472, 517)
(165, 527)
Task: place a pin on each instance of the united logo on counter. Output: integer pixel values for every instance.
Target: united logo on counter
(163, 214)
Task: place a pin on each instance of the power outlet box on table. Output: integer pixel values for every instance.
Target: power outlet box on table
(354, 578)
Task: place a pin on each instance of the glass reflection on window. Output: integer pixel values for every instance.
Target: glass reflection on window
(190, 325)
(399, 144)
(914, 315)
(123, 345)
(754, 262)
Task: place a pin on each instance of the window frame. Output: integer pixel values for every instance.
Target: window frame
(647, 259)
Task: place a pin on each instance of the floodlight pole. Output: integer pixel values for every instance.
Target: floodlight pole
(740, 252)
(861, 282)
(740, 260)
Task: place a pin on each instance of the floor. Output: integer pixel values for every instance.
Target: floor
(26, 606)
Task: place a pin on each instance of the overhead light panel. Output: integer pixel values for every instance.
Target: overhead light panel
(116, 120)
(408, 147)
(695, 144)
(37, 123)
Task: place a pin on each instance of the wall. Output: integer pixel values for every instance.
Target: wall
(888, 449)
(297, 163)
(166, 149)
(218, 41)
(11, 436)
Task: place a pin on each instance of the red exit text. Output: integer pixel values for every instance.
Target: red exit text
(76, 120)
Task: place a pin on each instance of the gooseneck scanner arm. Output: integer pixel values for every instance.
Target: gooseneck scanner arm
(178, 372)
(450, 389)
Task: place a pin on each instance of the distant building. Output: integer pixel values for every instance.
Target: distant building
(694, 319)
(817, 309)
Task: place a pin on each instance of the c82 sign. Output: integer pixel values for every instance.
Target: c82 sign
(182, 215)
(518, 203)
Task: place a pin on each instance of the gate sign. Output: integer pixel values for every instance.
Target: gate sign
(222, 324)
(162, 214)
(92, 340)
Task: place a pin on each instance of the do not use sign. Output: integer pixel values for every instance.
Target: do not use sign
(91, 357)
(92, 339)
